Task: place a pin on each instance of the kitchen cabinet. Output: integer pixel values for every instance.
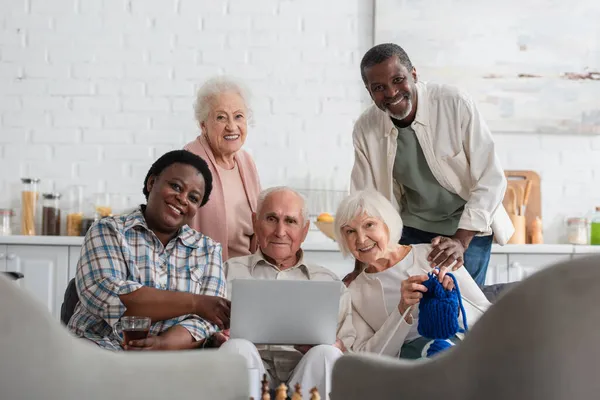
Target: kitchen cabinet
(2, 258)
(46, 272)
(497, 269)
(521, 266)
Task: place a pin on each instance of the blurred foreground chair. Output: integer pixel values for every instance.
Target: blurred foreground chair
(41, 360)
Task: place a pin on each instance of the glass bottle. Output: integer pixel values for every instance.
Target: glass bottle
(29, 202)
(595, 228)
(51, 214)
(5, 221)
(75, 210)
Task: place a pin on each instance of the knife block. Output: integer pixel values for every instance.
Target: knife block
(520, 224)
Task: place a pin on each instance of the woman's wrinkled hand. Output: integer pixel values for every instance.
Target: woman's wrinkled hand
(411, 292)
(445, 280)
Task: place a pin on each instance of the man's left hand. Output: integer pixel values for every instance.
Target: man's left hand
(450, 250)
(446, 251)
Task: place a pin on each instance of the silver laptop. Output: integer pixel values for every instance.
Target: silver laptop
(285, 312)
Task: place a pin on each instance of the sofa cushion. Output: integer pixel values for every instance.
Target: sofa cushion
(494, 292)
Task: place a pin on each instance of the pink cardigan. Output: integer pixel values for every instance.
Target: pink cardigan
(211, 219)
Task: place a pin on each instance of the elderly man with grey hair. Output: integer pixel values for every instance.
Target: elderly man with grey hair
(281, 225)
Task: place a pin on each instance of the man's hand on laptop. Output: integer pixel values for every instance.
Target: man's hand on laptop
(214, 309)
(304, 348)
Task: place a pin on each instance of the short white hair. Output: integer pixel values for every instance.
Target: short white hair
(276, 189)
(373, 204)
(213, 88)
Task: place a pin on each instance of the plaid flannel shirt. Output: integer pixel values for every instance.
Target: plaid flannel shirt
(120, 255)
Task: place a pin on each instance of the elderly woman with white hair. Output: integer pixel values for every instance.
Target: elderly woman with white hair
(222, 113)
(386, 294)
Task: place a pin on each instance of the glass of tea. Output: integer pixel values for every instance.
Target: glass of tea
(133, 328)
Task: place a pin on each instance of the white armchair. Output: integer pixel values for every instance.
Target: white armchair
(39, 359)
(539, 341)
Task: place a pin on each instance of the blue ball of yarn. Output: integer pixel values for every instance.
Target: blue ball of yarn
(435, 346)
(439, 310)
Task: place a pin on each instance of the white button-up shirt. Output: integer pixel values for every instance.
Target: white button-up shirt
(280, 361)
(459, 150)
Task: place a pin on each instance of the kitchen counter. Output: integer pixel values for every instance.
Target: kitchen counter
(42, 240)
(316, 241)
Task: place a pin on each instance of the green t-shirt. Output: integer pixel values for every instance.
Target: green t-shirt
(425, 204)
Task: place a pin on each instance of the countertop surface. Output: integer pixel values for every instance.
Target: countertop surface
(316, 241)
(42, 240)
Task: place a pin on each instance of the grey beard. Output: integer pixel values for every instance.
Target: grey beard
(403, 115)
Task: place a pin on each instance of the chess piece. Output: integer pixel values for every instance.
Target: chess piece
(281, 392)
(314, 394)
(297, 392)
(265, 393)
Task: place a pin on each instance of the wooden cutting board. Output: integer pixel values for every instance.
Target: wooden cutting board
(518, 180)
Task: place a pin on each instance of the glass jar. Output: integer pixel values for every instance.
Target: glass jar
(86, 224)
(29, 204)
(595, 228)
(120, 204)
(51, 214)
(102, 205)
(577, 230)
(90, 215)
(5, 221)
(75, 210)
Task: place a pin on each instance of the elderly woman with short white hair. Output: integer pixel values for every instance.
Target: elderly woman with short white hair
(386, 294)
(222, 113)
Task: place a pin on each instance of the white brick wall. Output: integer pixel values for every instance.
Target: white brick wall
(92, 91)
